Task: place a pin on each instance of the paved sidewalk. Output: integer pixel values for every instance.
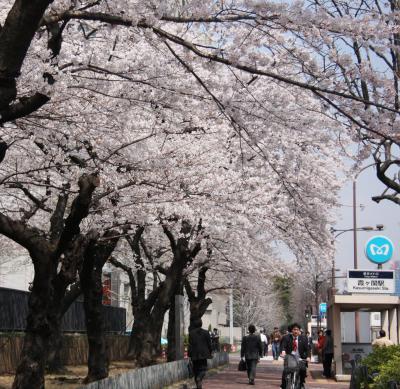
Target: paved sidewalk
(268, 376)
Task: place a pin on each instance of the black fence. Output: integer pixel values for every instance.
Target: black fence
(14, 310)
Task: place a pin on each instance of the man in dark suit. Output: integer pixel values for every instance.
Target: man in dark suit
(296, 344)
(252, 350)
(199, 350)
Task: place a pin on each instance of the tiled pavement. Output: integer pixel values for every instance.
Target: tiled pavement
(268, 376)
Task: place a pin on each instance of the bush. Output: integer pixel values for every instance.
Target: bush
(385, 362)
(186, 340)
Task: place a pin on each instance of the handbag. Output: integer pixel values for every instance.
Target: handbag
(190, 368)
(242, 365)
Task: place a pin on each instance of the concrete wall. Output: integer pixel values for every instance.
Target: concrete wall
(154, 377)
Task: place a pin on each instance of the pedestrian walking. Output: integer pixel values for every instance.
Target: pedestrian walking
(320, 344)
(275, 339)
(264, 342)
(327, 354)
(215, 340)
(382, 341)
(310, 343)
(199, 351)
(252, 351)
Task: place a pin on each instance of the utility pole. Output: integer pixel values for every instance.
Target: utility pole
(356, 313)
(317, 302)
(231, 317)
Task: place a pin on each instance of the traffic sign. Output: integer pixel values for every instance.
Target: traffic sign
(379, 249)
(322, 308)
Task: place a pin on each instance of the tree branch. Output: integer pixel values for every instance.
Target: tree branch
(392, 198)
(38, 202)
(122, 21)
(129, 272)
(170, 236)
(201, 282)
(16, 36)
(79, 210)
(30, 238)
(71, 296)
(26, 106)
(189, 290)
(57, 219)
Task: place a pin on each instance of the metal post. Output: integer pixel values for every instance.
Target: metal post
(355, 225)
(231, 317)
(357, 314)
(317, 304)
(179, 328)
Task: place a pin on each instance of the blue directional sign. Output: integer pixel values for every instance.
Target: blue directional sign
(379, 249)
(322, 308)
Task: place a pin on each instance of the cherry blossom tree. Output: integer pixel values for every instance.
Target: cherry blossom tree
(179, 116)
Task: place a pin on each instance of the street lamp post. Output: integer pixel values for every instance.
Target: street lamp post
(317, 285)
(333, 230)
(356, 314)
(355, 213)
(379, 227)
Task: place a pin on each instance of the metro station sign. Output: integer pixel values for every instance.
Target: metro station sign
(379, 249)
(371, 281)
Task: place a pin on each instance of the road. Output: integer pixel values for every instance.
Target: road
(268, 376)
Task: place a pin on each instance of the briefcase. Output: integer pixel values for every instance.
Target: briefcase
(242, 365)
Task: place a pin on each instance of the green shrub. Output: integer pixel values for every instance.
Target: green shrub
(385, 361)
(186, 340)
(389, 372)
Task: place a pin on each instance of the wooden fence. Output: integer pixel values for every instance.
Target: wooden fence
(153, 377)
(74, 351)
(14, 310)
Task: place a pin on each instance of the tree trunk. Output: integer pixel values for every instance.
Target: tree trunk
(198, 308)
(30, 371)
(55, 364)
(98, 359)
(49, 285)
(96, 256)
(145, 339)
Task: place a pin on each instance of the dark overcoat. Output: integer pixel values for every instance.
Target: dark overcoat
(251, 347)
(199, 344)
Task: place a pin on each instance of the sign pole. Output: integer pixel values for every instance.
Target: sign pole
(356, 313)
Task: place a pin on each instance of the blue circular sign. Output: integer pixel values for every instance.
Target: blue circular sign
(379, 249)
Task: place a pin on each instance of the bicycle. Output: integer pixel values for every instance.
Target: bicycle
(292, 368)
